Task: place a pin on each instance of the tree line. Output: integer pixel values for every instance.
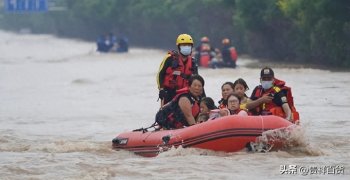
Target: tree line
(304, 31)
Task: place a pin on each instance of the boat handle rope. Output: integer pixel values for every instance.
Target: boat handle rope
(144, 130)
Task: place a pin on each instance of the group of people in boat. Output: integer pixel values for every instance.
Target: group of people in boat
(110, 43)
(209, 57)
(184, 102)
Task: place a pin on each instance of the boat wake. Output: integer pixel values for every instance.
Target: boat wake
(291, 139)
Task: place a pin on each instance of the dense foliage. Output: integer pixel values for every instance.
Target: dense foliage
(308, 31)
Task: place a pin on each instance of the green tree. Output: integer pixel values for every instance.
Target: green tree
(322, 28)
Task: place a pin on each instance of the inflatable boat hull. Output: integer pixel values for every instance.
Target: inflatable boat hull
(227, 134)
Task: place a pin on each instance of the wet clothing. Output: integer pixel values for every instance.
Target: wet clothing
(279, 98)
(281, 94)
(229, 56)
(174, 74)
(123, 44)
(170, 116)
(103, 45)
(204, 55)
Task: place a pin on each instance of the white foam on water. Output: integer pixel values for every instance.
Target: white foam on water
(291, 139)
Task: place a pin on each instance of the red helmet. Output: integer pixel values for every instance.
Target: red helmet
(226, 41)
(205, 39)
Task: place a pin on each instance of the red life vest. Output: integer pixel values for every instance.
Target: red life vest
(170, 116)
(204, 59)
(177, 75)
(222, 104)
(204, 56)
(233, 53)
(272, 108)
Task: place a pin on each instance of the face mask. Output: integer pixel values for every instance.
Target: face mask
(185, 50)
(266, 84)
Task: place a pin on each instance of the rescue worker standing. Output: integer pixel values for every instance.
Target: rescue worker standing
(176, 69)
(229, 54)
(269, 98)
(204, 53)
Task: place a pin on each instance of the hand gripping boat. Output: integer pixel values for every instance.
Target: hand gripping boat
(227, 134)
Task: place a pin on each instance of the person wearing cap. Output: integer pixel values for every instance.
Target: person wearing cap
(269, 98)
(176, 69)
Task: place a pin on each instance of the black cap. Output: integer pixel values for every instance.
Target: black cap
(266, 72)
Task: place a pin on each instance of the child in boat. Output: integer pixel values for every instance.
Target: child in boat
(207, 104)
(233, 106)
(240, 87)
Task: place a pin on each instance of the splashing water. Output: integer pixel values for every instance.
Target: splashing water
(291, 139)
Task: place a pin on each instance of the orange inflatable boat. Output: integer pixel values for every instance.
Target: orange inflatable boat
(228, 134)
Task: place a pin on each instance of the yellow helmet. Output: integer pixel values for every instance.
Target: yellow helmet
(184, 39)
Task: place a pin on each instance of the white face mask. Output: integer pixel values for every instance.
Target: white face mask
(266, 84)
(185, 50)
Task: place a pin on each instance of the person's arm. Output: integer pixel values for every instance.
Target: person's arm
(162, 70)
(281, 100)
(287, 111)
(253, 101)
(186, 108)
(251, 104)
(242, 113)
(224, 112)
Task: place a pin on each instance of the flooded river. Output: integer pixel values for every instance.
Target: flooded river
(61, 104)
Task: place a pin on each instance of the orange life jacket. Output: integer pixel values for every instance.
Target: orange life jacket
(170, 116)
(177, 75)
(204, 56)
(233, 53)
(204, 59)
(272, 108)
